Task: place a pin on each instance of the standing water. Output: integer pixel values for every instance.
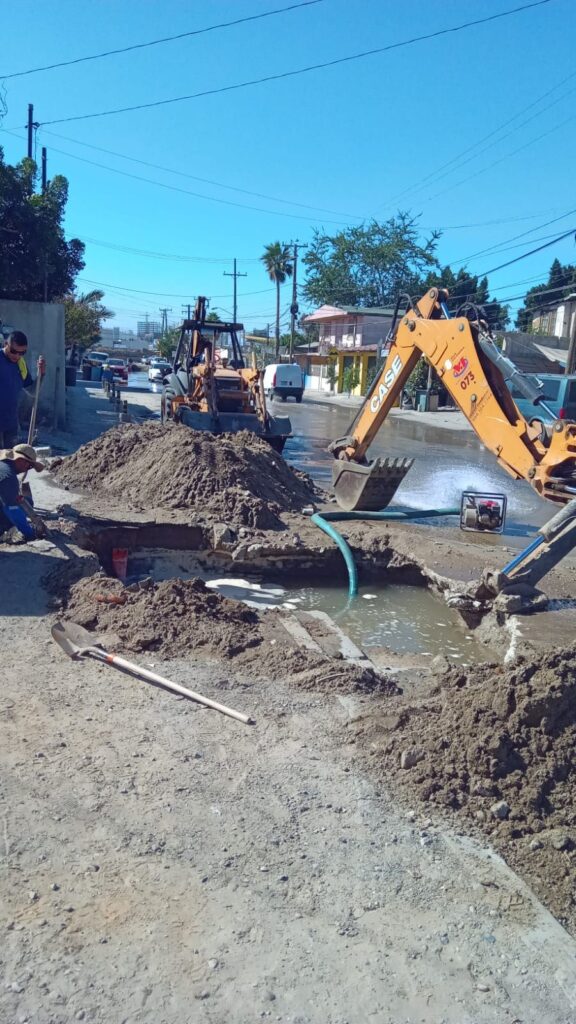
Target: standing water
(403, 619)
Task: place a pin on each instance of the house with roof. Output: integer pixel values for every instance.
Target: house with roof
(351, 337)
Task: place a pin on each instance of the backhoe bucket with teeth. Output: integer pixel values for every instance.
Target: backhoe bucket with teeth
(367, 488)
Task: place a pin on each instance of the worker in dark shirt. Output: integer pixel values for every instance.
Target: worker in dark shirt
(13, 461)
(14, 376)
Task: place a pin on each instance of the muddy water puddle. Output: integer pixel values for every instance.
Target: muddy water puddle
(406, 620)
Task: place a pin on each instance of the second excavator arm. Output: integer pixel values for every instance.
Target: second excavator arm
(474, 371)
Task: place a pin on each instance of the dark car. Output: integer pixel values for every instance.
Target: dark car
(559, 395)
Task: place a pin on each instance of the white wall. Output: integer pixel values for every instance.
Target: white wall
(43, 324)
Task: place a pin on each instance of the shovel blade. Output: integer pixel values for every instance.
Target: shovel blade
(368, 488)
(72, 638)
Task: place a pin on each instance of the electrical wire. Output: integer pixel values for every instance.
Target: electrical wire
(194, 177)
(436, 175)
(165, 39)
(527, 254)
(301, 71)
(184, 191)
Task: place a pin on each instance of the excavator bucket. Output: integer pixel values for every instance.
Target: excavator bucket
(367, 488)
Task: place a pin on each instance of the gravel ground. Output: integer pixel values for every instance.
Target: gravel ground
(164, 865)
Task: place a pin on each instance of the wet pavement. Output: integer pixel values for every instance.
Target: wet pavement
(446, 462)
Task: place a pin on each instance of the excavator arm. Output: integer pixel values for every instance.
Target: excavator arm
(474, 371)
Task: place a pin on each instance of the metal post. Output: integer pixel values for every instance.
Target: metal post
(30, 129)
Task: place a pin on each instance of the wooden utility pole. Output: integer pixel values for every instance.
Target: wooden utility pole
(235, 275)
(44, 169)
(30, 129)
(294, 305)
(165, 312)
(571, 357)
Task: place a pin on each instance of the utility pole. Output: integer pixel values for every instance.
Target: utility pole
(165, 312)
(571, 357)
(235, 275)
(44, 187)
(30, 129)
(294, 305)
(186, 310)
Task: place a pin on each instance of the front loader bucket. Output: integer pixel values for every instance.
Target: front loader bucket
(367, 488)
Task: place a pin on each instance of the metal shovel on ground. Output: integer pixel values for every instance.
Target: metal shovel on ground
(78, 643)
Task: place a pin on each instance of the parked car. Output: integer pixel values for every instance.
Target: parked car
(284, 380)
(90, 361)
(158, 370)
(559, 395)
(116, 368)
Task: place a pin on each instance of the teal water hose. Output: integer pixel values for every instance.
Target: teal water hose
(323, 521)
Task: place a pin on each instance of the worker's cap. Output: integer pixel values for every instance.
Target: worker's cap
(22, 451)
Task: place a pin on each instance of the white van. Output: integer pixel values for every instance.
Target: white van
(282, 380)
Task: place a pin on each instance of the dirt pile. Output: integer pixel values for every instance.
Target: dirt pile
(177, 617)
(498, 745)
(232, 478)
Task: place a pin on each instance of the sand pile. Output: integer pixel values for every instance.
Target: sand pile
(232, 478)
(177, 617)
(498, 745)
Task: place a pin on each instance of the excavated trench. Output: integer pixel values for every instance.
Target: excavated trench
(399, 611)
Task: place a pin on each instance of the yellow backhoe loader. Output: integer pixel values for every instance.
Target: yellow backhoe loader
(474, 371)
(210, 388)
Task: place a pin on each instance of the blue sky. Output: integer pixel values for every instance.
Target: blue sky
(360, 139)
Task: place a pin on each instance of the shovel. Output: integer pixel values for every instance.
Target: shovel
(78, 643)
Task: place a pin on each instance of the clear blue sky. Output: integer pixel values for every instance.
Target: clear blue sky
(356, 139)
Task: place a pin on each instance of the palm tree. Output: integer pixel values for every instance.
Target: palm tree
(83, 316)
(277, 259)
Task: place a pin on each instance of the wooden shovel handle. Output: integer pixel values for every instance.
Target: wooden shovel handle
(167, 684)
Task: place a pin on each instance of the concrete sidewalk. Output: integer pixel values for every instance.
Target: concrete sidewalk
(448, 418)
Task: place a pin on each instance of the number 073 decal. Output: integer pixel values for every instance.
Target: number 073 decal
(467, 380)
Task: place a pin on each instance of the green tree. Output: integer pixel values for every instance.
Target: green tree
(278, 262)
(370, 264)
(36, 261)
(464, 287)
(561, 281)
(351, 378)
(83, 317)
(166, 345)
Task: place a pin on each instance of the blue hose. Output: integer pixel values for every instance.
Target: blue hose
(324, 520)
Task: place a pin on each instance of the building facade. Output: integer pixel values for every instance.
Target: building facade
(352, 338)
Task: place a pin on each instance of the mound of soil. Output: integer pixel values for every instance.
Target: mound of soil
(498, 745)
(171, 618)
(232, 478)
(177, 617)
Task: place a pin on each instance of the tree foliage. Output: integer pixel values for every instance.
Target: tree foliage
(368, 265)
(277, 259)
(83, 316)
(561, 281)
(464, 287)
(166, 345)
(36, 261)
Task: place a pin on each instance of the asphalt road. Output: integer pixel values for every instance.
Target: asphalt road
(446, 462)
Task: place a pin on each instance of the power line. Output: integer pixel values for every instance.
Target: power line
(157, 42)
(302, 71)
(501, 159)
(504, 247)
(473, 149)
(194, 177)
(182, 191)
(526, 254)
(170, 295)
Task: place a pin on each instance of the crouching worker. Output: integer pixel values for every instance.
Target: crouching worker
(13, 461)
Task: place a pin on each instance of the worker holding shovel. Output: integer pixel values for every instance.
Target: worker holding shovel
(13, 461)
(14, 376)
